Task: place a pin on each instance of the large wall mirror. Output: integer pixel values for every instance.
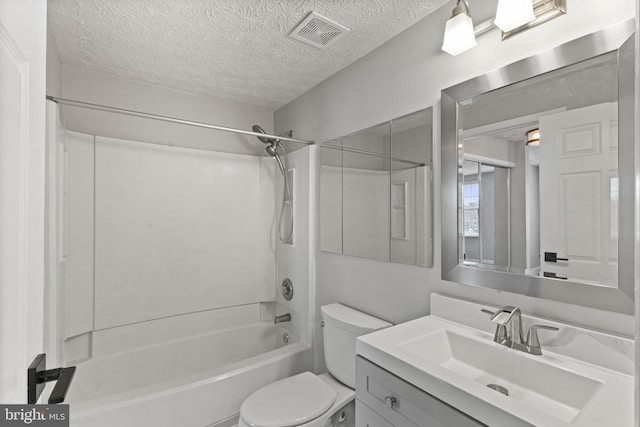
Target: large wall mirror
(375, 192)
(538, 175)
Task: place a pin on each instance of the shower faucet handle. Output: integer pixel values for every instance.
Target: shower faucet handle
(282, 318)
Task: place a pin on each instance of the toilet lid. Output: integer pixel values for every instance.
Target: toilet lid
(288, 402)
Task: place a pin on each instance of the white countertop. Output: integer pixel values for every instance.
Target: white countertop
(607, 402)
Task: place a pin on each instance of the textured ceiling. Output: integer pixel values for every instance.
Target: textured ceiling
(230, 49)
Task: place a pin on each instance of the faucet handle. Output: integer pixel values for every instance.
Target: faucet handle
(503, 315)
(500, 316)
(532, 338)
(500, 336)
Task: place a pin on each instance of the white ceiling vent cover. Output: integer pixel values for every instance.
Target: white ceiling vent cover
(318, 31)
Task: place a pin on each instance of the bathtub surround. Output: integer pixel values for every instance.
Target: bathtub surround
(296, 261)
(408, 73)
(89, 86)
(129, 337)
(200, 313)
(178, 231)
(171, 231)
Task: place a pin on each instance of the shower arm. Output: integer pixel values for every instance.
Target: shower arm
(98, 107)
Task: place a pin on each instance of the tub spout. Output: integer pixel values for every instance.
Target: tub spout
(282, 318)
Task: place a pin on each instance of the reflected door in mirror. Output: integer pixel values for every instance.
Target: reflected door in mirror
(578, 193)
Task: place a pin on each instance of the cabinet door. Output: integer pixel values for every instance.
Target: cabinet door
(401, 403)
(365, 417)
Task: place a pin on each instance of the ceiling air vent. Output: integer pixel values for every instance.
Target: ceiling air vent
(318, 31)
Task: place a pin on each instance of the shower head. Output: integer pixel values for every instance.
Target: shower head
(265, 140)
(257, 128)
(271, 150)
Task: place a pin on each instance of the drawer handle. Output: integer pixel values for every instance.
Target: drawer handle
(390, 401)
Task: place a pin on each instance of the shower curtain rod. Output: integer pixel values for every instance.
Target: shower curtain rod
(98, 107)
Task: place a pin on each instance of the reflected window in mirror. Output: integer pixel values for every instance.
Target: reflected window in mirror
(485, 215)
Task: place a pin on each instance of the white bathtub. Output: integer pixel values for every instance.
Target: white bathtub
(197, 381)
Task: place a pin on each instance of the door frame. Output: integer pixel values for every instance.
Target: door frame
(23, 41)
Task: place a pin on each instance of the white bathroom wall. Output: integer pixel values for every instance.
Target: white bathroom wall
(99, 88)
(404, 142)
(54, 66)
(637, 239)
(407, 74)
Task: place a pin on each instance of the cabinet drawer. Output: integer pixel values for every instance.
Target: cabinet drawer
(398, 401)
(365, 417)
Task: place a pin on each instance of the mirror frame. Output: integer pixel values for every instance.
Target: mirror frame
(621, 299)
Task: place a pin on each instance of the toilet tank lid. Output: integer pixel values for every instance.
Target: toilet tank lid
(351, 319)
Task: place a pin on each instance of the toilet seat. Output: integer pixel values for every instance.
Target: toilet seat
(288, 402)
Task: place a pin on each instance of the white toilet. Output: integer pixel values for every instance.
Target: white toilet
(311, 400)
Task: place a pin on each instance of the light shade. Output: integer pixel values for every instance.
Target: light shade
(458, 34)
(533, 138)
(512, 14)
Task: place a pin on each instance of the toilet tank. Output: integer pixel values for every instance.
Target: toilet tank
(342, 325)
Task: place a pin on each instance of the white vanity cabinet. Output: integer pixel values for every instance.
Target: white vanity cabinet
(385, 400)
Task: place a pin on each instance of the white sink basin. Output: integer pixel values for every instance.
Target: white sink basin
(456, 363)
(550, 389)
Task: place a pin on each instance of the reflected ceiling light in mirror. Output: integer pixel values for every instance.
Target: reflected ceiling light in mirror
(533, 138)
(512, 14)
(459, 34)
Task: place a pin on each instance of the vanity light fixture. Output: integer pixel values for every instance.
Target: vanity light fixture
(512, 14)
(459, 34)
(512, 17)
(533, 138)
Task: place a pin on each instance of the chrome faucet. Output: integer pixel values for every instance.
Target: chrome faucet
(509, 327)
(282, 318)
(509, 333)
